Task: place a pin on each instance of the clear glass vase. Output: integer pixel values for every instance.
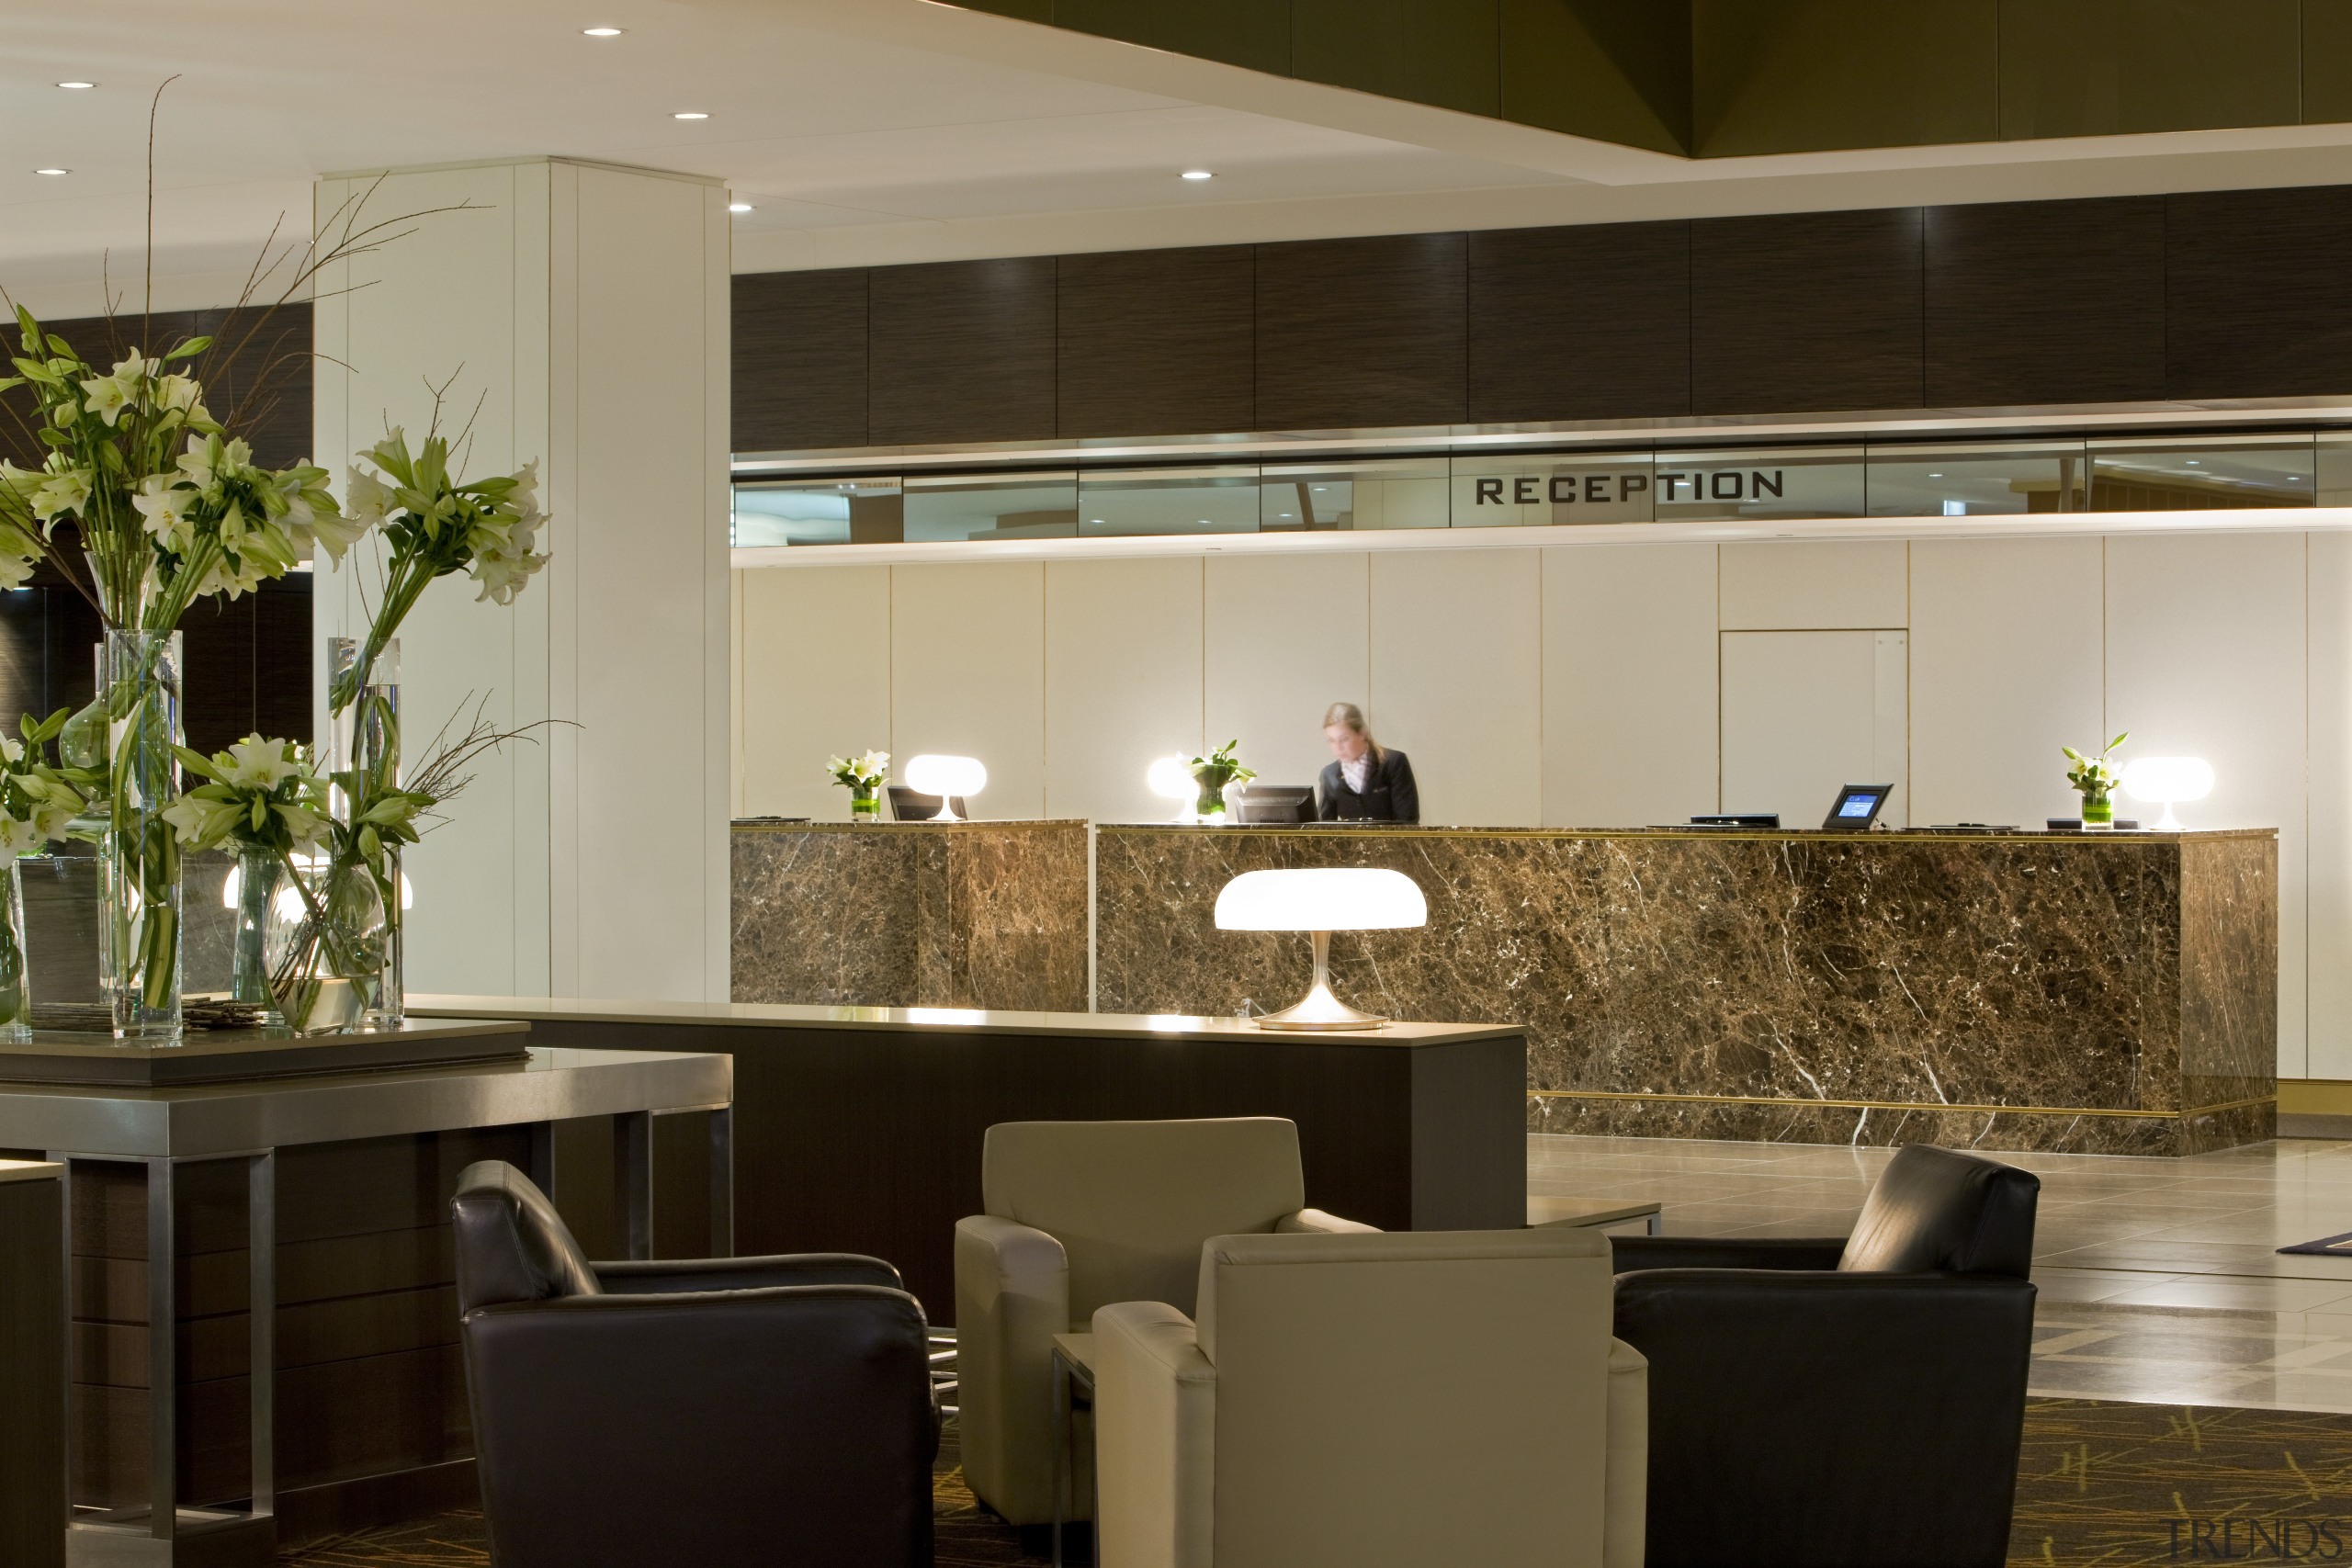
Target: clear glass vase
(260, 878)
(16, 980)
(323, 943)
(363, 763)
(138, 855)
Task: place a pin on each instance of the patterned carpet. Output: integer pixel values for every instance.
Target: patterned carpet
(2100, 1485)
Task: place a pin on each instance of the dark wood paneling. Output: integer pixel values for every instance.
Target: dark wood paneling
(1155, 342)
(216, 673)
(284, 650)
(1590, 322)
(1806, 311)
(1367, 332)
(961, 351)
(2046, 302)
(32, 1375)
(2256, 304)
(799, 356)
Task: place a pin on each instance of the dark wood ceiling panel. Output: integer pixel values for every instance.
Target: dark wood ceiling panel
(1806, 311)
(799, 356)
(1588, 322)
(961, 351)
(1368, 332)
(2256, 303)
(1155, 342)
(2046, 302)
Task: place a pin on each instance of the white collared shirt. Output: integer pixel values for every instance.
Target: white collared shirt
(1357, 773)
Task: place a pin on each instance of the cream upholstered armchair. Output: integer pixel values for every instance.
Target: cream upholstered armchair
(1081, 1214)
(1375, 1402)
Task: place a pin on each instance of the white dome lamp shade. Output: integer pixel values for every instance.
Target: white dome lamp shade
(2169, 779)
(948, 778)
(1320, 900)
(1170, 778)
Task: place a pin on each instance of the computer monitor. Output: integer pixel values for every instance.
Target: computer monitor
(913, 805)
(1857, 807)
(1274, 803)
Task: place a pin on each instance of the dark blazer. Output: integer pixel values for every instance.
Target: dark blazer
(1389, 793)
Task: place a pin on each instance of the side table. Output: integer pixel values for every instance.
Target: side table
(1073, 1381)
(1593, 1211)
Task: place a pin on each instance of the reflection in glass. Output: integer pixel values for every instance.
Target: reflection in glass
(1544, 492)
(1168, 500)
(990, 506)
(1792, 482)
(1976, 481)
(2212, 473)
(859, 511)
(1401, 493)
(2335, 470)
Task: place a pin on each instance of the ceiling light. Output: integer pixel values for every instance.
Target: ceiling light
(52, 170)
(690, 114)
(744, 207)
(603, 32)
(1197, 175)
(77, 86)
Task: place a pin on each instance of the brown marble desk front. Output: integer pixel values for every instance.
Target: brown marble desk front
(2109, 993)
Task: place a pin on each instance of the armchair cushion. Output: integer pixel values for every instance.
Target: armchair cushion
(1012, 1298)
(510, 1244)
(1315, 1222)
(1936, 1209)
(665, 1276)
(1155, 1402)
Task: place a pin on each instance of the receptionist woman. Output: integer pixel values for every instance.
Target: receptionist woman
(1367, 781)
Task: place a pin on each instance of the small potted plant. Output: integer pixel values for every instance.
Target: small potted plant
(861, 776)
(2096, 780)
(1212, 774)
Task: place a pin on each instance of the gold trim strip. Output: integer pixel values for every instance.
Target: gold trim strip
(2140, 837)
(1905, 1105)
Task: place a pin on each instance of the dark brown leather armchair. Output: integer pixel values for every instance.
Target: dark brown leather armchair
(1841, 1404)
(739, 1411)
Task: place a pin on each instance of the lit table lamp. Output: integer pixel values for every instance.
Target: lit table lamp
(1320, 901)
(948, 778)
(2166, 780)
(1170, 778)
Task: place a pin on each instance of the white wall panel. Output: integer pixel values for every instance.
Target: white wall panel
(1630, 723)
(1807, 713)
(815, 648)
(2205, 658)
(1123, 682)
(967, 676)
(1802, 584)
(2007, 665)
(1287, 638)
(1456, 679)
(2328, 1009)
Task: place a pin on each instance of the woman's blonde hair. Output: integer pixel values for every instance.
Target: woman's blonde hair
(1351, 716)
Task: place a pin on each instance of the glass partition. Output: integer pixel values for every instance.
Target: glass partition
(1822, 481)
(1583, 487)
(1975, 481)
(1126, 501)
(990, 506)
(1394, 493)
(860, 512)
(2212, 472)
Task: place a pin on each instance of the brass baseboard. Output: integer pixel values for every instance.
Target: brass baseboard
(1904, 1105)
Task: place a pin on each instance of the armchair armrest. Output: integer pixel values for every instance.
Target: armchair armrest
(1892, 1403)
(1317, 1222)
(1625, 1493)
(1012, 1298)
(1154, 1430)
(1631, 1252)
(749, 1413)
(668, 1274)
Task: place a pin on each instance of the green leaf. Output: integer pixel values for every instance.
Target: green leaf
(189, 349)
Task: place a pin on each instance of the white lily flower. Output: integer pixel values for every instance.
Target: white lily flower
(51, 818)
(202, 821)
(365, 498)
(302, 825)
(107, 398)
(180, 392)
(18, 836)
(257, 763)
(61, 493)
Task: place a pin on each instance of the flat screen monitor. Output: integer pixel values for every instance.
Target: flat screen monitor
(1274, 803)
(1857, 807)
(913, 805)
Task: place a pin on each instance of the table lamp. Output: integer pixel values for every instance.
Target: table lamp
(1170, 778)
(1321, 900)
(2166, 780)
(948, 778)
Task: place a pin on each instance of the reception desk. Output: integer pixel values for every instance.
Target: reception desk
(2101, 992)
(910, 914)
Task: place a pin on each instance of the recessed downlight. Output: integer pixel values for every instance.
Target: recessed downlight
(77, 86)
(739, 207)
(1198, 174)
(603, 32)
(52, 172)
(690, 114)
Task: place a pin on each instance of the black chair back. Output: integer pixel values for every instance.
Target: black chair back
(512, 1244)
(1935, 1210)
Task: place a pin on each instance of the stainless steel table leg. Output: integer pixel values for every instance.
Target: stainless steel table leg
(162, 1371)
(1065, 1458)
(633, 1174)
(722, 1182)
(261, 1249)
(1657, 1224)
(543, 1158)
(66, 1196)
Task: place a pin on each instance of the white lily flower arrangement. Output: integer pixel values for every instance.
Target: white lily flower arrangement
(862, 774)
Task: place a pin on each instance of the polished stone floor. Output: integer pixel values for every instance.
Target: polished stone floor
(2160, 1281)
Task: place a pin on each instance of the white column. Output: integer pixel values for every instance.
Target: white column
(583, 310)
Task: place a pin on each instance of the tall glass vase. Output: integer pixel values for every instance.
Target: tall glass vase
(259, 874)
(15, 982)
(364, 763)
(139, 856)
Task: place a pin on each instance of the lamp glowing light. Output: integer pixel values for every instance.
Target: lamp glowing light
(1320, 900)
(946, 777)
(2169, 779)
(1170, 778)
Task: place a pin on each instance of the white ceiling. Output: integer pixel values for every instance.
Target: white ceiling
(861, 131)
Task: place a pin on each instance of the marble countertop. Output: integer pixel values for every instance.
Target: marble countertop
(957, 1021)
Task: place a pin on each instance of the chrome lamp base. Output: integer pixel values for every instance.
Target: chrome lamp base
(1319, 1008)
